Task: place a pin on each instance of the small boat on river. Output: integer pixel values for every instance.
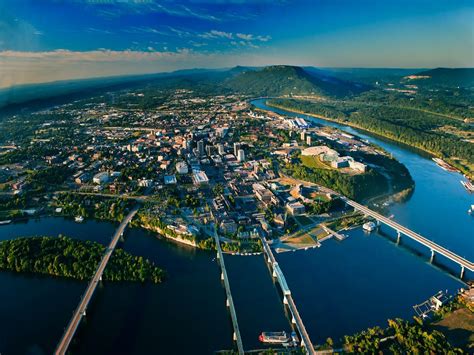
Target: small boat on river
(79, 219)
(8, 221)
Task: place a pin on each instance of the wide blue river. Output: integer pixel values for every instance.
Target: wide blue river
(339, 288)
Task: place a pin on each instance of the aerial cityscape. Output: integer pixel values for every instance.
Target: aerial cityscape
(236, 177)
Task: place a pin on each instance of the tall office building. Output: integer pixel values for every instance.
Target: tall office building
(240, 155)
(220, 149)
(200, 147)
(236, 148)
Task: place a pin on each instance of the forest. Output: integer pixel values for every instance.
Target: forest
(406, 125)
(65, 257)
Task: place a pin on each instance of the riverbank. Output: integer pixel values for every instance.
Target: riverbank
(461, 168)
(65, 257)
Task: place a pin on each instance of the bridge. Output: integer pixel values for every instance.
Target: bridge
(288, 298)
(230, 302)
(80, 311)
(465, 264)
(435, 248)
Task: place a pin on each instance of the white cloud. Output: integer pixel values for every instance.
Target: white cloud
(247, 37)
(216, 34)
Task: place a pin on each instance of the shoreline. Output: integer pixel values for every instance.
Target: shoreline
(352, 125)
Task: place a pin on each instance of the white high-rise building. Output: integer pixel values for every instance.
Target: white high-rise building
(220, 149)
(236, 148)
(303, 135)
(308, 140)
(241, 155)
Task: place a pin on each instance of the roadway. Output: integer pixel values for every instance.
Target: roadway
(464, 263)
(86, 297)
(422, 240)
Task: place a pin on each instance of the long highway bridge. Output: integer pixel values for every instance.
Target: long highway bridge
(80, 311)
(230, 300)
(465, 264)
(434, 248)
(288, 298)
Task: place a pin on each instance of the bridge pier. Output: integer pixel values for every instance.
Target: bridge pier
(432, 256)
(234, 336)
(462, 272)
(293, 320)
(227, 303)
(222, 276)
(285, 300)
(399, 236)
(274, 273)
(218, 257)
(84, 313)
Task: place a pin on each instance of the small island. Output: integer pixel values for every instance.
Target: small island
(65, 257)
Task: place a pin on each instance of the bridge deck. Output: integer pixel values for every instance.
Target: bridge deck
(308, 345)
(428, 243)
(86, 297)
(230, 300)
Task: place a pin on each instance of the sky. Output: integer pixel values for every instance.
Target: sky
(50, 40)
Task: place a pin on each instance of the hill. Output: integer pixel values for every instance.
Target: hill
(444, 77)
(280, 80)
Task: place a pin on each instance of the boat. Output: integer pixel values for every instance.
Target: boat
(8, 221)
(471, 210)
(79, 219)
(443, 165)
(369, 226)
(469, 186)
(274, 337)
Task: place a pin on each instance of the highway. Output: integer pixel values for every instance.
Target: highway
(465, 264)
(422, 240)
(86, 297)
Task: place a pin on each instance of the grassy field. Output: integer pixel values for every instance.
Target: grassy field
(314, 162)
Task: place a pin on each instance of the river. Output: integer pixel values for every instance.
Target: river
(339, 288)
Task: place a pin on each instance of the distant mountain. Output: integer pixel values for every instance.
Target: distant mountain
(280, 80)
(444, 77)
(367, 75)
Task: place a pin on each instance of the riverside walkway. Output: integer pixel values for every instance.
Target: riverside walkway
(80, 311)
(230, 301)
(288, 298)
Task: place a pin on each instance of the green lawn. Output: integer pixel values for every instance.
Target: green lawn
(314, 162)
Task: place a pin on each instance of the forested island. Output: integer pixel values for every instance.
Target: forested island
(65, 257)
(437, 134)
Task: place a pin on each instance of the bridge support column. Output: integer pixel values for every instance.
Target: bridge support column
(293, 320)
(274, 273)
(100, 278)
(399, 236)
(285, 300)
(227, 303)
(462, 272)
(269, 260)
(222, 276)
(432, 255)
(218, 257)
(84, 313)
(234, 337)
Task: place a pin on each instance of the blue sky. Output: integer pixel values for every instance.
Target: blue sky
(46, 40)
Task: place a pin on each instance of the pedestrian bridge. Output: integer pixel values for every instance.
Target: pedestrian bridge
(288, 298)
